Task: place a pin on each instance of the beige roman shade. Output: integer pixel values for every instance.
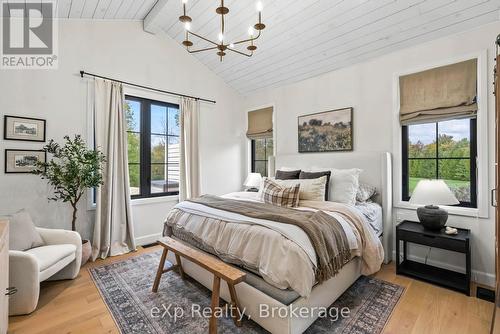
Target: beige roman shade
(260, 123)
(446, 92)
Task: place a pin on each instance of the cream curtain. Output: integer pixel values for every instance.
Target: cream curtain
(113, 229)
(189, 186)
(260, 124)
(447, 92)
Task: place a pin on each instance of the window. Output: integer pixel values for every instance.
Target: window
(262, 149)
(153, 147)
(444, 150)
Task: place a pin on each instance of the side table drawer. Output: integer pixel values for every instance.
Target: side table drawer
(433, 241)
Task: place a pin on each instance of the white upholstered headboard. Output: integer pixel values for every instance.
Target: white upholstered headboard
(377, 171)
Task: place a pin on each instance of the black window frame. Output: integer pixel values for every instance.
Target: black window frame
(472, 158)
(253, 155)
(145, 163)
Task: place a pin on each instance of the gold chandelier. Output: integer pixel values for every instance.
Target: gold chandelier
(222, 45)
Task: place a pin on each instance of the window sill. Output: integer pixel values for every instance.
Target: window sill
(145, 201)
(155, 200)
(452, 210)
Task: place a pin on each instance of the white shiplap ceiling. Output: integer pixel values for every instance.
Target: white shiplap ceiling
(99, 9)
(303, 38)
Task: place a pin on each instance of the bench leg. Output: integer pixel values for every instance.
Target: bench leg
(178, 260)
(235, 306)
(215, 304)
(159, 272)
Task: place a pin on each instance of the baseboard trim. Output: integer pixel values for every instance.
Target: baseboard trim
(147, 239)
(480, 277)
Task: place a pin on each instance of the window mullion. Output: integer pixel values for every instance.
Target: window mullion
(405, 167)
(265, 154)
(437, 150)
(167, 140)
(146, 166)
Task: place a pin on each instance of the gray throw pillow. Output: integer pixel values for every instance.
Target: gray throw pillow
(22, 232)
(365, 192)
(287, 175)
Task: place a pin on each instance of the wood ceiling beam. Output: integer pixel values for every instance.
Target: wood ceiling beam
(152, 21)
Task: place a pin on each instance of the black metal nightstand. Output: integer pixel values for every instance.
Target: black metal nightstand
(408, 231)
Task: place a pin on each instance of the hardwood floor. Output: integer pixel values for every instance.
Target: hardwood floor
(76, 307)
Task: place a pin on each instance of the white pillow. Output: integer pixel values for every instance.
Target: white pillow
(344, 184)
(310, 189)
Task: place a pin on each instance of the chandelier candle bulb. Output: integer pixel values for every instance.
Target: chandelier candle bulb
(259, 6)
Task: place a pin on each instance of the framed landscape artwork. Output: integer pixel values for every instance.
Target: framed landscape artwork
(24, 128)
(327, 131)
(23, 161)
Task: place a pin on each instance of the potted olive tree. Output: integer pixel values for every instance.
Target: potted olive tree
(73, 169)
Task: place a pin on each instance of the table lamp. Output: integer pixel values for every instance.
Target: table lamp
(252, 182)
(432, 193)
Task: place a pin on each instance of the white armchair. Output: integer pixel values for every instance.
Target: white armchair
(59, 258)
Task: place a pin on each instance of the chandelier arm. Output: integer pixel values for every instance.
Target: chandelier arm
(203, 38)
(200, 50)
(248, 40)
(241, 53)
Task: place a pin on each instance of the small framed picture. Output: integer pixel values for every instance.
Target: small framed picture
(23, 161)
(24, 128)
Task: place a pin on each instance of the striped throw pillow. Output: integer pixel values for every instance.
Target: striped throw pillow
(275, 194)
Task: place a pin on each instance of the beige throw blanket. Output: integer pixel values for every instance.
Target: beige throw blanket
(370, 250)
(325, 232)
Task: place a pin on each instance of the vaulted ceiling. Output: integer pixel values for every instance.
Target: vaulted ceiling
(303, 38)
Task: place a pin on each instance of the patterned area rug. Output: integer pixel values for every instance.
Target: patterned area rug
(126, 289)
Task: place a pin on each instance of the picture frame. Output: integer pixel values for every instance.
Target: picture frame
(24, 128)
(327, 131)
(23, 161)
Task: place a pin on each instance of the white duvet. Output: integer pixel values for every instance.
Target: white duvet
(281, 253)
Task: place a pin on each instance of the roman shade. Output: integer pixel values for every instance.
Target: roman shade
(447, 92)
(260, 123)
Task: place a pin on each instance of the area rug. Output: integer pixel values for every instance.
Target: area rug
(177, 307)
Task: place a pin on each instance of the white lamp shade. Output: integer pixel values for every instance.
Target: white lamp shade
(253, 180)
(433, 192)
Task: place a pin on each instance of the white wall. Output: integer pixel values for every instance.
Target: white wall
(368, 87)
(124, 51)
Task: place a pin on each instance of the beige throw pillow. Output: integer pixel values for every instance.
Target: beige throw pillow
(310, 189)
(22, 232)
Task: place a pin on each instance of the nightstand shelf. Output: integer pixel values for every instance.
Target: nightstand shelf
(413, 232)
(439, 276)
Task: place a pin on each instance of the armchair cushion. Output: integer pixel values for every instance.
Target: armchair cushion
(47, 256)
(22, 232)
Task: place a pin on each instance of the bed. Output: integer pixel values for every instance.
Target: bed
(271, 283)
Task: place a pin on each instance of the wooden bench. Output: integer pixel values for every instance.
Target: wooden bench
(218, 268)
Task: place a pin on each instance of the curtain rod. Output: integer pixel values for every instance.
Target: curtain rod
(82, 73)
